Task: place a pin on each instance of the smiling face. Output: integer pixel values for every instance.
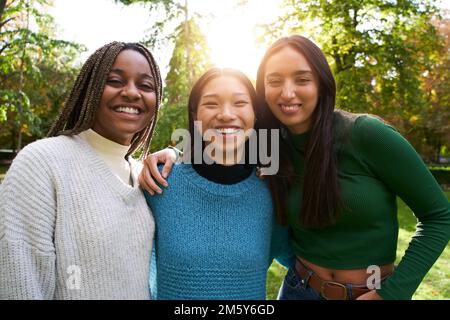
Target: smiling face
(128, 101)
(226, 112)
(291, 89)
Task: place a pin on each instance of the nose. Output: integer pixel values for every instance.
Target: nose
(131, 92)
(288, 91)
(226, 113)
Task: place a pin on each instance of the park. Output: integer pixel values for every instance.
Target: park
(389, 58)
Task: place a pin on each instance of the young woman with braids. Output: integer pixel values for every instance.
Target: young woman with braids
(74, 223)
(340, 174)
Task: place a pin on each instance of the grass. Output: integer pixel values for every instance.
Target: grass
(435, 285)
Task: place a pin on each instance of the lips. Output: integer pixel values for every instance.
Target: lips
(290, 108)
(228, 130)
(128, 109)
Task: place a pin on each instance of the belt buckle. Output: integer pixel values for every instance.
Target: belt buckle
(337, 284)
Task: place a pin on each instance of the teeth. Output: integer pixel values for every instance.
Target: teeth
(290, 107)
(228, 130)
(128, 110)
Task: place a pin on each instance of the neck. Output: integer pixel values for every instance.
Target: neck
(230, 159)
(226, 158)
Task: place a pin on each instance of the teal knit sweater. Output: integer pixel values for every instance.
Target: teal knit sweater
(214, 241)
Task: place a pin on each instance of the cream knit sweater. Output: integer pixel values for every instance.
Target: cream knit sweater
(70, 229)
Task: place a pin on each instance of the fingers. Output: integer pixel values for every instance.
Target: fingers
(165, 155)
(146, 179)
(150, 182)
(167, 168)
(143, 183)
(154, 172)
(172, 154)
(260, 174)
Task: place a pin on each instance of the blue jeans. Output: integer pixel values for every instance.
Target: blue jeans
(295, 288)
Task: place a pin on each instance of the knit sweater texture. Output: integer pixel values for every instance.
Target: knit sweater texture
(111, 152)
(214, 241)
(70, 229)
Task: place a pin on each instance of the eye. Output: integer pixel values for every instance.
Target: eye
(241, 103)
(114, 82)
(210, 104)
(147, 87)
(274, 82)
(302, 80)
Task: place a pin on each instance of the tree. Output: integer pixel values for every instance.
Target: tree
(378, 50)
(435, 119)
(2, 7)
(179, 81)
(190, 58)
(27, 56)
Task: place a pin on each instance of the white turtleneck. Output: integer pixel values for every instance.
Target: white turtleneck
(111, 152)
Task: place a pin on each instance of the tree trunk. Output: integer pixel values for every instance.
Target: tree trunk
(2, 7)
(438, 152)
(21, 84)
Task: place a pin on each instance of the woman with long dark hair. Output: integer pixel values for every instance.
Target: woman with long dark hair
(216, 234)
(340, 174)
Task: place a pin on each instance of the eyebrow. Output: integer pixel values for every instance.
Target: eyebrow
(215, 95)
(296, 73)
(122, 72)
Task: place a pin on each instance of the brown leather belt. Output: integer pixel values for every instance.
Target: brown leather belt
(329, 290)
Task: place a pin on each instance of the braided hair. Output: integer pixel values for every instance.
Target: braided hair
(80, 108)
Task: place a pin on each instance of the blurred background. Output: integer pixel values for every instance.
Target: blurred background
(390, 58)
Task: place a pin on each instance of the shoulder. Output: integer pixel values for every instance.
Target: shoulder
(47, 146)
(376, 140)
(178, 170)
(359, 123)
(373, 130)
(45, 155)
(371, 123)
(45, 150)
(362, 128)
(177, 185)
(34, 166)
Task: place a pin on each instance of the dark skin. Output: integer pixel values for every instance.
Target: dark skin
(128, 101)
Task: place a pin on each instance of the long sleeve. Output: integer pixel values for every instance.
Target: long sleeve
(397, 165)
(280, 248)
(27, 218)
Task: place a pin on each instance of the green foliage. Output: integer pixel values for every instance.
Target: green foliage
(190, 59)
(168, 12)
(379, 51)
(434, 119)
(34, 71)
(442, 175)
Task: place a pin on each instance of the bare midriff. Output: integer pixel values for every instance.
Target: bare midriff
(353, 276)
